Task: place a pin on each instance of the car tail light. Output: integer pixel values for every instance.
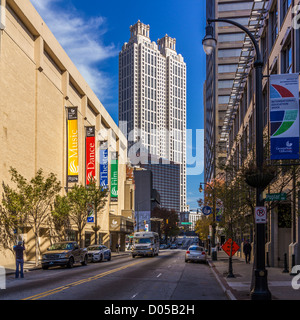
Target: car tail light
(203, 252)
(188, 252)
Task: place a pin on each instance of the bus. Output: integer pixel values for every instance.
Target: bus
(145, 244)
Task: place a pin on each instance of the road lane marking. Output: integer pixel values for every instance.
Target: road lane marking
(82, 281)
(134, 296)
(158, 275)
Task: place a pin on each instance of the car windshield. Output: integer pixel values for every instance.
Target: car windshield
(142, 240)
(196, 248)
(93, 248)
(61, 246)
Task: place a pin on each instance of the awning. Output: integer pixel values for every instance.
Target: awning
(120, 224)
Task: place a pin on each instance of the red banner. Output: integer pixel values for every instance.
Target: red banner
(90, 156)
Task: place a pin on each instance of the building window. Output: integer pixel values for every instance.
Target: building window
(287, 58)
(284, 9)
(274, 24)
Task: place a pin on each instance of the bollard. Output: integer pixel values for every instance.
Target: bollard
(293, 264)
(268, 264)
(285, 270)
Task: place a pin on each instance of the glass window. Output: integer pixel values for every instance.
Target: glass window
(224, 68)
(231, 37)
(227, 53)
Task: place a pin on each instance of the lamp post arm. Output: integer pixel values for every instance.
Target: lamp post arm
(251, 36)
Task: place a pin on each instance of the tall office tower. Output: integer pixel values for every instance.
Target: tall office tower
(221, 67)
(152, 99)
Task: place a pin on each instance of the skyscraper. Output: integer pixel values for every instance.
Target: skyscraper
(152, 99)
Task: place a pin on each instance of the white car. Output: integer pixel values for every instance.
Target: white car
(98, 253)
(196, 253)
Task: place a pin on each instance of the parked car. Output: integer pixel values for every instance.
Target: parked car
(162, 246)
(65, 253)
(98, 253)
(173, 246)
(195, 253)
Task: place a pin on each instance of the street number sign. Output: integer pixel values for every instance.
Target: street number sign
(206, 210)
(227, 245)
(260, 215)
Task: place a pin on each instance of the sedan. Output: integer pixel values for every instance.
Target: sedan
(173, 246)
(195, 253)
(98, 253)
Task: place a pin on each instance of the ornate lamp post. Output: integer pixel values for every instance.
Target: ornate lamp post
(260, 290)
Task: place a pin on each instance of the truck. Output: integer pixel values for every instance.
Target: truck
(145, 244)
(65, 253)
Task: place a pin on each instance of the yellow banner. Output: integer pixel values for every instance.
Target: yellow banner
(73, 150)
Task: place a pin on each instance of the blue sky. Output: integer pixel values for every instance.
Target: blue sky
(93, 32)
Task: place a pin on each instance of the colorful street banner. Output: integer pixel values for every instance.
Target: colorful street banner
(90, 210)
(90, 154)
(103, 166)
(72, 152)
(114, 175)
(284, 116)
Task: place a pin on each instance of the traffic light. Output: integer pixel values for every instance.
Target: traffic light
(167, 221)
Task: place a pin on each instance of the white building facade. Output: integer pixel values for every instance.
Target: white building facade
(152, 99)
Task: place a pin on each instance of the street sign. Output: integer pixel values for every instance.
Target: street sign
(260, 215)
(186, 223)
(227, 245)
(206, 210)
(276, 197)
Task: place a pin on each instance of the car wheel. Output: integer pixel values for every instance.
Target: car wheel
(45, 267)
(84, 262)
(186, 260)
(133, 256)
(70, 263)
(109, 258)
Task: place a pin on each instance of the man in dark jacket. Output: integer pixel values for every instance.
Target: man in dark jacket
(19, 251)
(247, 251)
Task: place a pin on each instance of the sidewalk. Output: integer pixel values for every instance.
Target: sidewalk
(30, 265)
(238, 288)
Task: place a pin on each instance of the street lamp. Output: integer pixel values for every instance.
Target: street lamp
(260, 290)
(213, 240)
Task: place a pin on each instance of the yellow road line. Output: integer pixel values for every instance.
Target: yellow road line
(73, 284)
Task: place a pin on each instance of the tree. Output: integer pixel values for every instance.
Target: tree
(79, 200)
(170, 222)
(60, 216)
(97, 197)
(202, 227)
(35, 198)
(12, 217)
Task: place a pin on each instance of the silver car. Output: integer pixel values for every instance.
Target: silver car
(195, 253)
(98, 253)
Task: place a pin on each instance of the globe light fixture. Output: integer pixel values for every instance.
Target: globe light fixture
(209, 42)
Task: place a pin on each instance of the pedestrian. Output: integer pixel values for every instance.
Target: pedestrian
(247, 251)
(117, 247)
(19, 251)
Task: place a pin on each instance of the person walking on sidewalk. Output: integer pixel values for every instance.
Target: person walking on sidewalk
(247, 251)
(19, 251)
(117, 247)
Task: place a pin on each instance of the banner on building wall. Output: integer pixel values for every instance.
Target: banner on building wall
(284, 116)
(114, 176)
(72, 153)
(103, 180)
(90, 154)
(90, 210)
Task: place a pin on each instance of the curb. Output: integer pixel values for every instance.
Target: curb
(223, 284)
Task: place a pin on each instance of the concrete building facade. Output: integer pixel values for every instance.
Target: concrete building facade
(38, 83)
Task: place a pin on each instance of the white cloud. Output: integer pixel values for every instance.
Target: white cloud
(81, 39)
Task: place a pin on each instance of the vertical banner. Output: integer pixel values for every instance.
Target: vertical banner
(103, 180)
(284, 116)
(114, 176)
(72, 153)
(90, 154)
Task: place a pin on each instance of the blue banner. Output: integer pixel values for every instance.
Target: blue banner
(284, 116)
(103, 168)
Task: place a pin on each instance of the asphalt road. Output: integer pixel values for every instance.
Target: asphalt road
(166, 277)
